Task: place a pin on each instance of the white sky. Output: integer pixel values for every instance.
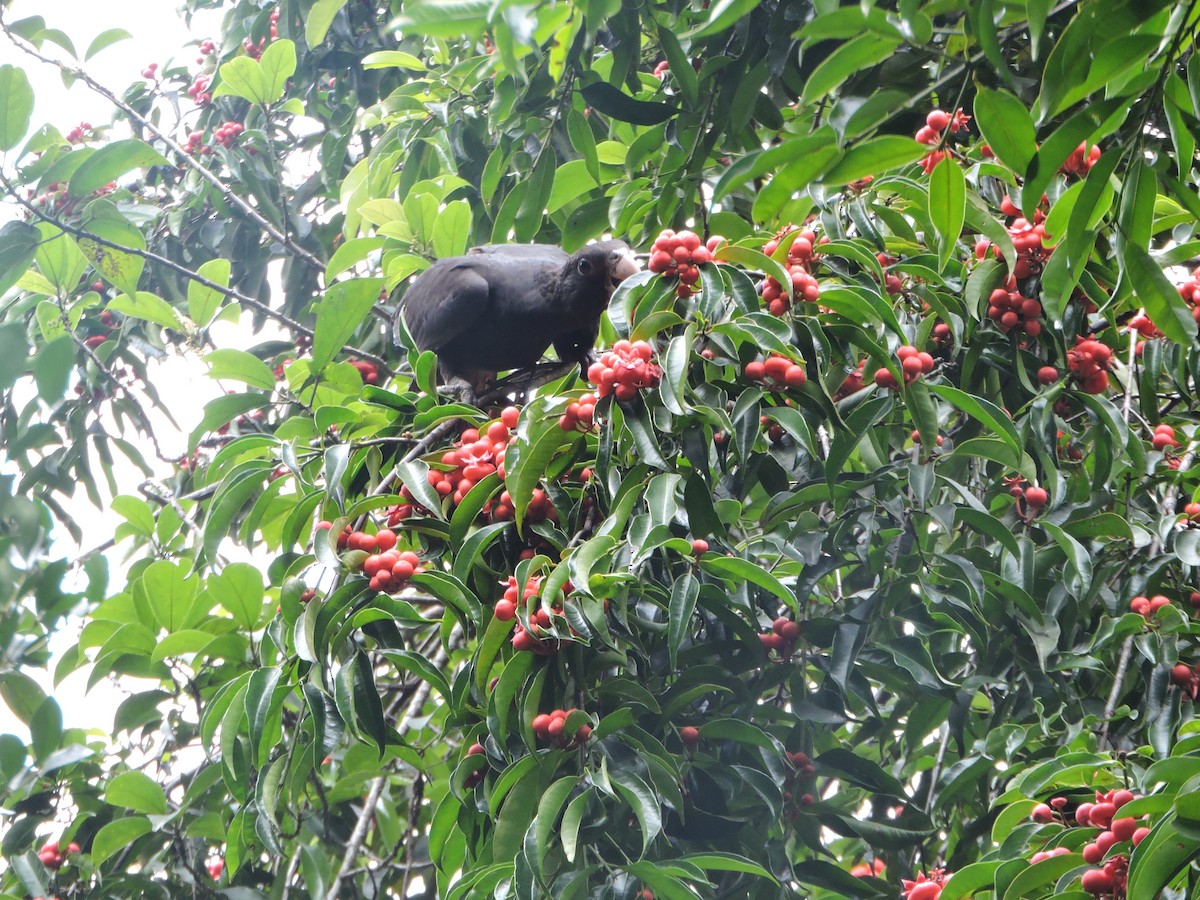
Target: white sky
(159, 33)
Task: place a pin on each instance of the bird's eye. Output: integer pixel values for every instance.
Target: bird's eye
(585, 267)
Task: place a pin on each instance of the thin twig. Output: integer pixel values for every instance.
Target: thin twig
(208, 175)
(150, 256)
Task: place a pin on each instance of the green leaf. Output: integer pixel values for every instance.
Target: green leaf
(16, 105)
(169, 594)
(452, 229)
(1007, 127)
(106, 39)
(203, 302)
(1159, 297)
(745, 256)
(148, 307)
(21, 694)
(744, 570)
(240, 366)
(13, 352)
(947, 206)
(137, 791)
(549, 806)
(722, 15)
(18, 244)
(392, 59)
(340, 312)
(52, 368)
(59, 259)
(278, 64)
(112, 161)
(1158, 858)
(644, 802)
(983, 411)
(239, 588)
(117, 835)
(612, 101)
(243, 77)
(874, 157)
(120, 268)
(320, 17)
(727, 862)
(682, 606)
(848, 59)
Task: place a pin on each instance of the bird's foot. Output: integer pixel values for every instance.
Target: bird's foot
(459, 390)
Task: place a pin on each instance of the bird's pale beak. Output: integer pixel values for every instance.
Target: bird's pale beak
(622, 266)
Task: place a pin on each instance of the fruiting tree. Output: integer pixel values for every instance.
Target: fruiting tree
(863, 562)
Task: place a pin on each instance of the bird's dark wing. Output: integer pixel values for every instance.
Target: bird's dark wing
(445, 300)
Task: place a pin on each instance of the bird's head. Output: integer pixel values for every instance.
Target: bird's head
(598, 269)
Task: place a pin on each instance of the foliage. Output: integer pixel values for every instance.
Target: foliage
(789, 623)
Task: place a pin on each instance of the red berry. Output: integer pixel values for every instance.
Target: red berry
(690, 735)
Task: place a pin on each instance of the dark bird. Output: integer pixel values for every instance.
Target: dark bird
(500, 307)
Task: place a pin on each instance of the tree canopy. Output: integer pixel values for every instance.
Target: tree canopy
(862, 562)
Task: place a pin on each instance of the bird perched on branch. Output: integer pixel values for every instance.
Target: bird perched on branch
(500, 307)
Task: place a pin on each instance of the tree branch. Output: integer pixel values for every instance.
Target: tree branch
(208, 175)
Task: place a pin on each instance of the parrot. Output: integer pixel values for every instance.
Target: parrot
(500, 306)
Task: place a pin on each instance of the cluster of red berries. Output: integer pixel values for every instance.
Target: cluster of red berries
(801, 255)
(1011, 310)
(1186, 677)
(624, 370)
(891, 281)
(150, 72)
(916, 438)
(79, 133)
(195, 144)
(866, 870)
(538, 637)
(852, 383)
(925, 886)
(778, 370)
(1144, 327)
(932, 133)
(1028, 240)
(1146, 607)
(681, 254)
(1103, 814)
(474, 458)
(913, 363)
(1088, 361)
(254, 50)
(782, 637)
(551, 727)
(388, 568)
(207, 46)
(801, 767)
(227, 134)
(1081, 160)
(1190, 292)
(1164, 437)
(199, 91)
(52, 856)
(368, 370)
(578, 414)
